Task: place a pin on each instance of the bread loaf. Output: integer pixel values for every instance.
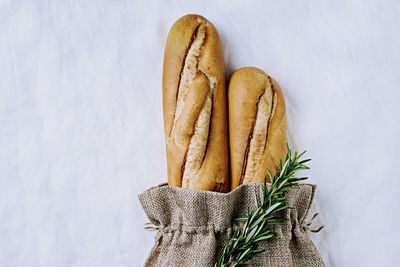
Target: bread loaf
(257, 126)
(194, 106)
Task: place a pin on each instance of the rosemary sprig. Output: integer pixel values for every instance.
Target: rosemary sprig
(243, 245)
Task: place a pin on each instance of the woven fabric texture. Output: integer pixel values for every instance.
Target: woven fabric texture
(194, 226)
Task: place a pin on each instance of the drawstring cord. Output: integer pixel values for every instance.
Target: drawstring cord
(151, 227)
(306, 225)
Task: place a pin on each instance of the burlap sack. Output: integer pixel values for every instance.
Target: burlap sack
(194, 226)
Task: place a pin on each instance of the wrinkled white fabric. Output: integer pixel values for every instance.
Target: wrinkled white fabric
(81, 127)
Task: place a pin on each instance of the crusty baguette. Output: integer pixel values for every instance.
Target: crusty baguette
(194, 105)
(257, 126)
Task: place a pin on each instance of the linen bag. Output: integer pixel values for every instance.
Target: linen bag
(194, 226)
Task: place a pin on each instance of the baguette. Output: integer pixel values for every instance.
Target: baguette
(257, 126)
(194, 106)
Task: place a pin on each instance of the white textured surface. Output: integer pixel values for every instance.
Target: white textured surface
(81, 131)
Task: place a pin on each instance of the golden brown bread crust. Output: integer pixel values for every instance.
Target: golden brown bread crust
(247, 88)
(194, 105)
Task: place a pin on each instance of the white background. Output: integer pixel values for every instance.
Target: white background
(81, 127)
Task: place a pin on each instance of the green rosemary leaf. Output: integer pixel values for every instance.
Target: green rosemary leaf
(284, 167)
(259, 220)
(261, 238)
(261, 190)
(281, 208)
(304, 161)
(250, 235)
(272, 207)
(283, 182)
(243, 245)
(259, 250)
(270, 176)
(301, 154)
(260, 228)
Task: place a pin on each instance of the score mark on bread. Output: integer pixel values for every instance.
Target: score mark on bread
(258, 137)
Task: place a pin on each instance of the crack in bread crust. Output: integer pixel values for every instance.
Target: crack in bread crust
(246, 152)
(189, 70)
(210, 93)
(198, 143)
(197, 147)
(273, 103)
(259, 134)
(193, 37)
(184, 58)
